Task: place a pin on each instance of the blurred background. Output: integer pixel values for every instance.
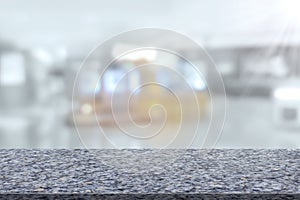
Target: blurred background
(254, 44)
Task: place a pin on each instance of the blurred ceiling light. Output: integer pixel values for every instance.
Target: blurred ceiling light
(137, 54)
(287, 93)
(148, 55)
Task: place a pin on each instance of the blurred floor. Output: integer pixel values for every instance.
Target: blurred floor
(248, 125)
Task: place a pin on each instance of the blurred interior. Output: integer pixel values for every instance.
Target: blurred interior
(255, 45)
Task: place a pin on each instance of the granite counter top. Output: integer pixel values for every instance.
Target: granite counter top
(150, 171)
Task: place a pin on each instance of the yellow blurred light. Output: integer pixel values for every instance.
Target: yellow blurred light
(86, 109)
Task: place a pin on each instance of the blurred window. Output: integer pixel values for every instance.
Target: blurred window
(12, 69)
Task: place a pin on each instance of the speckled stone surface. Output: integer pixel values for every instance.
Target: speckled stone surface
(167, 171)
